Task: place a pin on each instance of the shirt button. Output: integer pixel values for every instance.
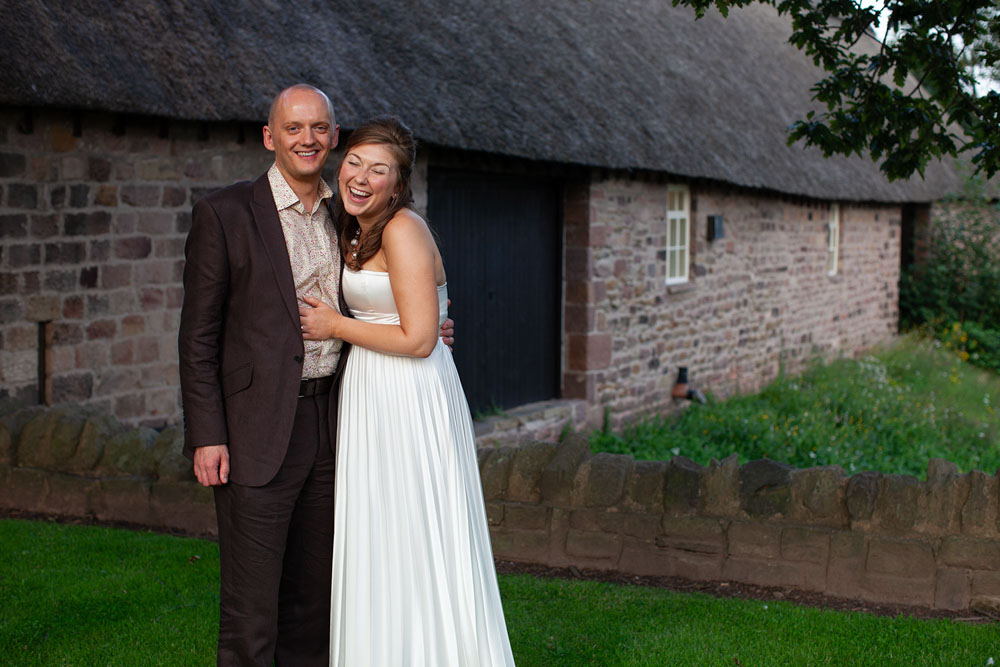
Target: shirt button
(297, 359)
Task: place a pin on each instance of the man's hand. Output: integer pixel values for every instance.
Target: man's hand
(211, 465)
(448, 330)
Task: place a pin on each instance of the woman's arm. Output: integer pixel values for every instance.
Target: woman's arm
(410, 257)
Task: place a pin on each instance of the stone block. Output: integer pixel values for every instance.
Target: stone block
(530, 460)
(754, 540)
(946, 494)
(588, 546)
(26, 490)
(846, 567)
(11, 165)
(720, 488)
(125, 500)
(186, 506)
(496, 472)
(985, 583)
(918, 591)
(810, 545)
(526, 517)
(952, 589)
(600, 481)
(862, 490)
(96, 432)
(644, 488)
(682, 491)
(70, 495)
(556, 482)
(900, 558)
(530, 546)
(974, 553)
(129, 454)
(72, 388)
(818, 495)
(645, 559)
(901, 501)
(693, 534)
(806, 576)
(145, 196)
(642, 526)
(172, 465)
(50, 440)
(765, 489)
(979, 513)
(87, 224)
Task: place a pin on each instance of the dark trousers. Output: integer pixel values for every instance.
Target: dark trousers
(276, 553)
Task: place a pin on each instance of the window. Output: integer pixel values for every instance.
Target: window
(678, 234)
(833, 240)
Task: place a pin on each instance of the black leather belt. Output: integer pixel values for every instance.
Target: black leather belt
(314, 386)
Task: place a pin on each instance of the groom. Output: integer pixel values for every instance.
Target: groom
(260, 404)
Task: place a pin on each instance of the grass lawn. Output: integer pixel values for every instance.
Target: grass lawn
(891, 411)
(84, 595)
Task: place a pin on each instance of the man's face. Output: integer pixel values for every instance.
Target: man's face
(301, 135)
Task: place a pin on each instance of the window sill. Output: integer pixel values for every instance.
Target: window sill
(681, 288)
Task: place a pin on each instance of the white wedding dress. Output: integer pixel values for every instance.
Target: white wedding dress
(413, 577)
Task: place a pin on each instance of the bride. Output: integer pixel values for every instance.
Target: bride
(413, 575)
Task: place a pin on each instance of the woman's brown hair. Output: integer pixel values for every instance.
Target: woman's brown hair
(390, 132)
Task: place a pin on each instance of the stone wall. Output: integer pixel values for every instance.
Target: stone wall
(759, 298)
(94, 210)
(884, 538)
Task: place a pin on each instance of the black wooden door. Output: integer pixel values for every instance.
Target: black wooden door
(499, 237)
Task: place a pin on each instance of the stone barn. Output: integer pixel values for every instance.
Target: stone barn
(610, 183)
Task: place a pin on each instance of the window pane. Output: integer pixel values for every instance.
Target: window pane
(680, 201)
(671, 206)
(682, 232)
(672, 264)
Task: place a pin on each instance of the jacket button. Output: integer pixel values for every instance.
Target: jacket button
(298, 359)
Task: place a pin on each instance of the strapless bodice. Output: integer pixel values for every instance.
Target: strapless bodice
(369, 296)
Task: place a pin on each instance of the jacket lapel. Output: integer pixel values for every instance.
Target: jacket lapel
(265, 214)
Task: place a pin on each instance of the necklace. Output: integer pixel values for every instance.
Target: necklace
(354, 243)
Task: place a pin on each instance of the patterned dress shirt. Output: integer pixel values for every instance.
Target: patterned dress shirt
(315, 257)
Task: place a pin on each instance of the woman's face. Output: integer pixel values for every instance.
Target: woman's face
(368, 181)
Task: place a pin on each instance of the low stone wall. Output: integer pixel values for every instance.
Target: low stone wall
(76, 462)
(884, 538)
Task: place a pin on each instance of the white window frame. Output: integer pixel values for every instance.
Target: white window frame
(678, 225)
(833, 241)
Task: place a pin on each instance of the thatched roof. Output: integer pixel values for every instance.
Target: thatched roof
(633, 84)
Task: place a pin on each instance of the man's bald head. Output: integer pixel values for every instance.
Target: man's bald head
(287, 91)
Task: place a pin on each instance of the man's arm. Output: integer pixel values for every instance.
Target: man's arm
(206, 284)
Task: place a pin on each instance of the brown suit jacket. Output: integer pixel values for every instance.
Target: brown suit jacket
(240, 341)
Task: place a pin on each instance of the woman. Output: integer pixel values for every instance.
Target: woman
(413, 575)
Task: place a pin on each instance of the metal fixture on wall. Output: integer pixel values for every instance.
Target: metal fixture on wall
(681, 391)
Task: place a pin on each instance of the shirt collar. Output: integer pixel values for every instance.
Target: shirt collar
(285, 197)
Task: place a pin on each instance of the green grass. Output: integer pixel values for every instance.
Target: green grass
(891, 411)
(83, 595)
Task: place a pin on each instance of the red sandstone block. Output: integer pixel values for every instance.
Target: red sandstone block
(899, 558)
(810, 545)
(644, 558)
(590, 546)
(764, 572)
(695, 565)
(124, 500)
(526, 517)
(952, 589)
(693, 534)
(121, 352)
(186, 506)
(132, 325)
(641, 526)
(896, 590)
(520, 545)
(984, 583)
(970, 552)
(589, 351)
(757, 540)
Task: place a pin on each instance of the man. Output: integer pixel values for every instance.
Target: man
(260, 404)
